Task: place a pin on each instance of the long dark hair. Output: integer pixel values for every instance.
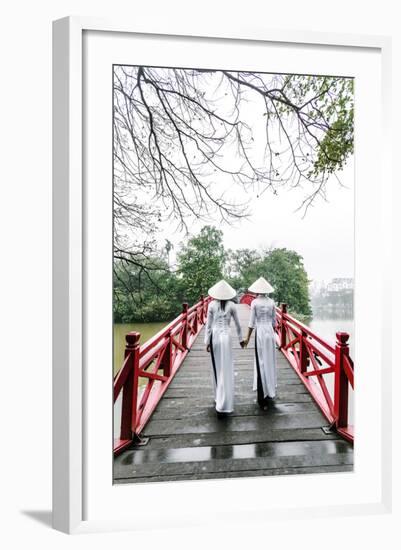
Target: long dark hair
(223, 304)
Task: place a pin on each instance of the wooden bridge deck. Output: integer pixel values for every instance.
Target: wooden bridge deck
(188, 441)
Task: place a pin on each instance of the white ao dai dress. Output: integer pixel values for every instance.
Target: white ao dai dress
(263, 320)
(218, 335)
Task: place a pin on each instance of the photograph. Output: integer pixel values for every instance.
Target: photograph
(206, 197)
(233, 273)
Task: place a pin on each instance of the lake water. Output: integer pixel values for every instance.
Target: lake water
(147, 330)
(326, 328)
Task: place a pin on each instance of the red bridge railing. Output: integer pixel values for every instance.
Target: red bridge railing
(312, 358)
(156, 362)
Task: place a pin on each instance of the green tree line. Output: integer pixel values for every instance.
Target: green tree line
(155, 292)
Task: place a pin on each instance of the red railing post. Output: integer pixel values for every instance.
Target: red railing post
(303, 352)
(167, 356)
(185, 325)
(196, 320)
(203, 316)
(341, 381)
(130, 390)
(283, 333)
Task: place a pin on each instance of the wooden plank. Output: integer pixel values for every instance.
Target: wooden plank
(200, 402)
(231, 438)
(240, 375)
(147, 455)
(205, 386)
(244, 473)
(248, 409)
(237, 424)
(202, 373)
(124, 469)
(242, 393)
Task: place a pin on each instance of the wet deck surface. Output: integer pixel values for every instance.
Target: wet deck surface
(188, 441)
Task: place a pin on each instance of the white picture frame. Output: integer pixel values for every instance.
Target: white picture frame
(70, 408)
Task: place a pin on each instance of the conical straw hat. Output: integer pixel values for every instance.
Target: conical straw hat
(261, 286)
(222, 291)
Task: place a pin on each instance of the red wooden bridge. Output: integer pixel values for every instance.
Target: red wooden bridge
(164, 420)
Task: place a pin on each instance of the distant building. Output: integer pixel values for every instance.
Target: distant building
(336, 295)
(340, 283)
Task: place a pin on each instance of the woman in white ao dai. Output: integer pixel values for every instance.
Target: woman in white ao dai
(263, 321)
(219, 343)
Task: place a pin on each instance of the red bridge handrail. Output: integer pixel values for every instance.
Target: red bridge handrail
(161, 334)
(312, 357)
(156, 361)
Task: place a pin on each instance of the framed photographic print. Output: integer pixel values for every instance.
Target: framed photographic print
(213, 290)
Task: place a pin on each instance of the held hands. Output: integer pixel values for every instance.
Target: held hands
(243, 344)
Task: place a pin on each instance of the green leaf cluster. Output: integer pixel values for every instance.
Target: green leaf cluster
(284, 270)
(145, 293)
(201, 263)
(325, 108)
